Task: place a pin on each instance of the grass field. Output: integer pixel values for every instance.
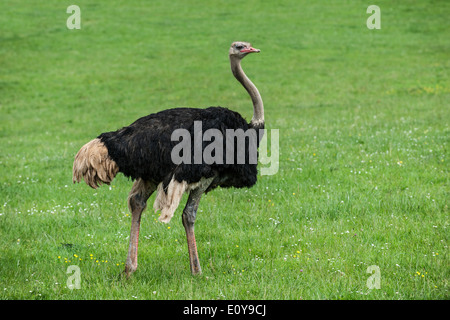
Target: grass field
(363, 118)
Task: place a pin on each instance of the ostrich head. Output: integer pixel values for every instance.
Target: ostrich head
(240, 49)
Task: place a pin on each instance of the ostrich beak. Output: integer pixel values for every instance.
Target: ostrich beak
(250, 50)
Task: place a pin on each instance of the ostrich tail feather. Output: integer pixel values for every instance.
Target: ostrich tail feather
(93, 164)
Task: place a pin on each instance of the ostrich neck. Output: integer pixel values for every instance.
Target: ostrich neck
(258, 107)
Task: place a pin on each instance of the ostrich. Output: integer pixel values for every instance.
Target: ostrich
(142, 151)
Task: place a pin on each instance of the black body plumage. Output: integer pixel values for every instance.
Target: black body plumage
(143, 149)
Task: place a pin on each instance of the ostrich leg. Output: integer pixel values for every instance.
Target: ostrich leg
(137, 201)
(188, 217)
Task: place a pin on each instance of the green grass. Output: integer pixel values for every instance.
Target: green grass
(363, 175)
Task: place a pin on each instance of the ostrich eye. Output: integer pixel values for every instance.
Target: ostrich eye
(239, 47)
